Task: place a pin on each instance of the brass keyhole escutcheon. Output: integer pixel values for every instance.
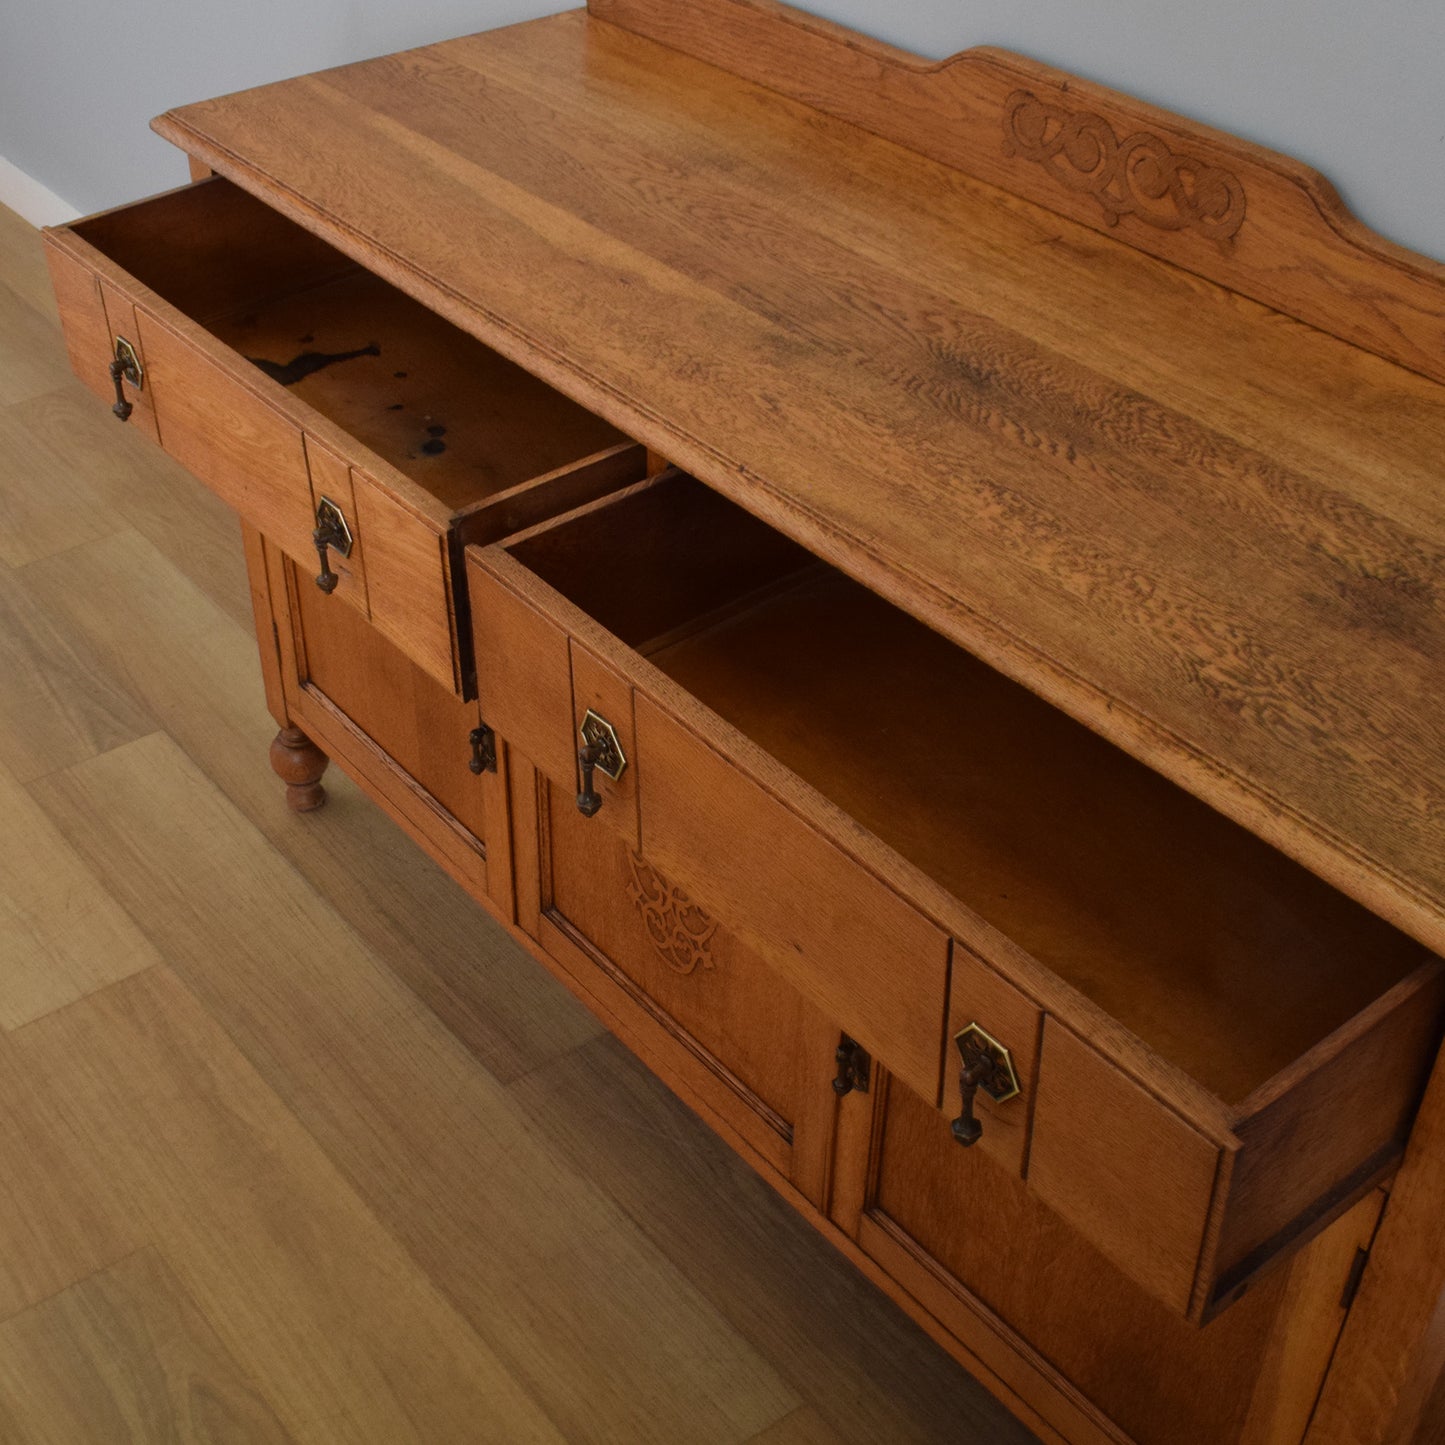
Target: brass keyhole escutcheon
(600, 752)
(987, 1065)
(331, 534)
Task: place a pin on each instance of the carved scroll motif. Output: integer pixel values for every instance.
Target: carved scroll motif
(1138, 176)
(678, 929)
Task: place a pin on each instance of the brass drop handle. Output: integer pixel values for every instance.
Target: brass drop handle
(331, 532)
(600, 752)
(122, 407)
(589, 800)
(986, 1065)
(125, 367)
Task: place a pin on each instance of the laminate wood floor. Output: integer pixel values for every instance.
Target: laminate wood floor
(295, 1144)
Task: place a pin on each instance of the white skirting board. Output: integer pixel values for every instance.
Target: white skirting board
(24, 194)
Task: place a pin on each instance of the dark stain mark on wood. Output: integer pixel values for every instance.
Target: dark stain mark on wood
(398, 374)
(435, 447)
(308, 363)
(396, 406)
(436, 431)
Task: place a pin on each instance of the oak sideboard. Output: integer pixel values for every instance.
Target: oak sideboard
(916, 589)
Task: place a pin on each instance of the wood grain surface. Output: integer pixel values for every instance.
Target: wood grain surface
(1206, 530)
(250, 1152)
(1252, 219)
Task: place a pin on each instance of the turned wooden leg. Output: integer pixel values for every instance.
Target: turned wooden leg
(299, 763)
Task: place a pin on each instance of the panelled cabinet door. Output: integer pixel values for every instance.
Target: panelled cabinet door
(1022, 1290)
(390, 722)
(698, 1005)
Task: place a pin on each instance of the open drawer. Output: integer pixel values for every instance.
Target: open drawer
(1215, 1052)
(364, 435)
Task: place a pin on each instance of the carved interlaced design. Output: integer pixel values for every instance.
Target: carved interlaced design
(1137, 176)
(678, 929)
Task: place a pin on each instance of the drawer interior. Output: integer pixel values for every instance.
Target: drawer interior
(449, 412)
(1221, 954)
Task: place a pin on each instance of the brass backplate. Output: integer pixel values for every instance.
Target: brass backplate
(130, 366)
(598, 733)
(331, 527)
(1001, 1083)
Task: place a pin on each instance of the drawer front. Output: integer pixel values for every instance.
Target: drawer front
(1120, 1166)
(993, 1031)
(91, 335)
(1195, 1204)
(818, 917)
(825, 923)
(266, 454)
(247, 452)
(409, 578)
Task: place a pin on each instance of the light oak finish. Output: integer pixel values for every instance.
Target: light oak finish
(1017, 1284)
(1155, 788)
(1258, 222)
(976, 993)
(1230, 1130)
(177, 1254)
(1084, 559)
(250, 332)
(1136, 1179)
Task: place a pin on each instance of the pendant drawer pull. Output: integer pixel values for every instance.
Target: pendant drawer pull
(331, 532)
(986, 1065)
(600, 752)
(125, 367)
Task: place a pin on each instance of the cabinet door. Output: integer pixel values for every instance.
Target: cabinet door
(701, 1008)
(960, 1231)
(390, 723)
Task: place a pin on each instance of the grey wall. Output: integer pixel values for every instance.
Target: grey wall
(1354, 87)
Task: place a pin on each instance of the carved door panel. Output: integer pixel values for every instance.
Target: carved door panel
(702, 1009)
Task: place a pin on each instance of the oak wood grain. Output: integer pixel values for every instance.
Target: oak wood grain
(716, 998)
(1250, 218)
(1011, 1276)
(999, 490)
(1134, 1180)
(857, 950)
(249, 454)
(408, 579)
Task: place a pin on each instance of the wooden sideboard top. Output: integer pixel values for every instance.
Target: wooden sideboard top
(1206, 529)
